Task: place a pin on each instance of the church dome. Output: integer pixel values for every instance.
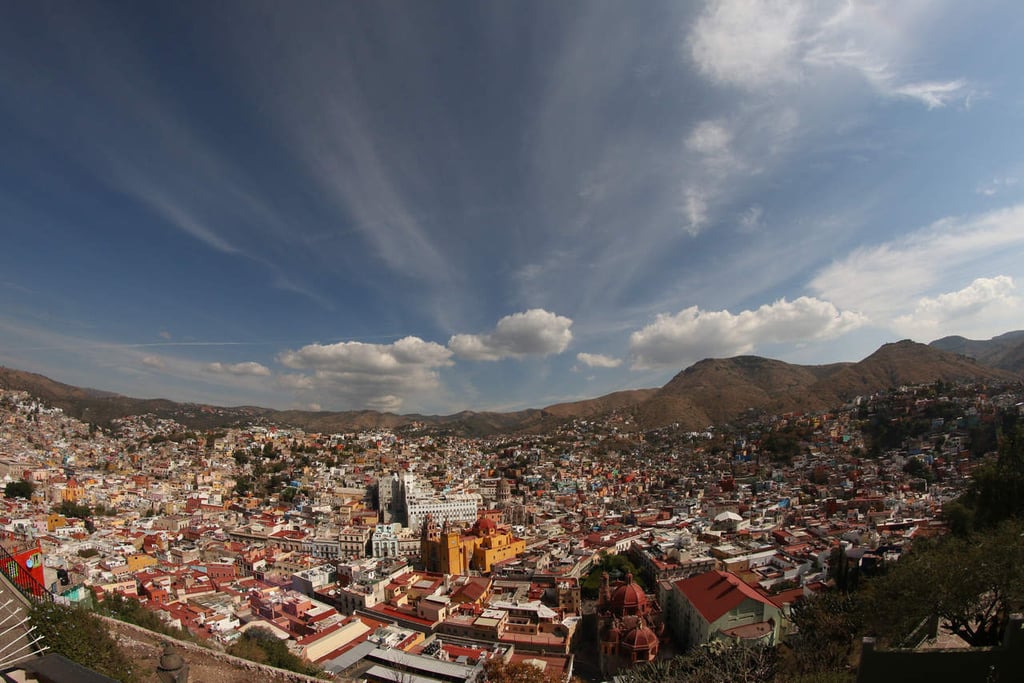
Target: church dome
(629, 598)
(484, 526)
(641, 639)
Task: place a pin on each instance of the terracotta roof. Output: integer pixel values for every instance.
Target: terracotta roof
(628, 598)
(716, 592)
(640, 638)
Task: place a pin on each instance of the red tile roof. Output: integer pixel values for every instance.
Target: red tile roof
(716, 592)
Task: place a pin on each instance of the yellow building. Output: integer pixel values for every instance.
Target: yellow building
(55, 521)
(140, 561)
(457, 551)
(72, 491)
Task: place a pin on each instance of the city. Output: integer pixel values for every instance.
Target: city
(389, 551)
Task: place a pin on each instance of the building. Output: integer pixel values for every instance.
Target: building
(454, 551)
(629, 625)
(718, 605)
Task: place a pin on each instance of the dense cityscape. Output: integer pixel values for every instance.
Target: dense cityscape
(373, 553)
(674, 341)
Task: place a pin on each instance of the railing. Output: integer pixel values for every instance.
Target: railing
(21, 579)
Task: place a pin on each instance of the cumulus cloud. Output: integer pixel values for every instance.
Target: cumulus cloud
(295, 382)
(887, 280)
(354, 356)
(693, 334)
(154, 362)
(759, 44)
(361, 375)
(598, 360)
(987, 305)
(531, 333)
(249, 368)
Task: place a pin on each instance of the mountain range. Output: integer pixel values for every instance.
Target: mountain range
(712, 391)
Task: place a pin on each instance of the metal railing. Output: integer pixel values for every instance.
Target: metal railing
(22, 579)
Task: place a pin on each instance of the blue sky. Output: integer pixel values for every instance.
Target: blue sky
(430, 207)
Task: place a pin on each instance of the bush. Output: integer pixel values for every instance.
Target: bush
(79, 635)
(261, 645)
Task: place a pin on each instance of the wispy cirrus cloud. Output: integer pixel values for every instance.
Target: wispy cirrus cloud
(759, 44)
(887, 279)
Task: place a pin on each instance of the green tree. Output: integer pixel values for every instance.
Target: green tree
(260, 641)
(72, 509)
(996, 491)
(132, 611)
(79, 635)
(19, 489)
(616, 566)
(971, 584)
(827, 628)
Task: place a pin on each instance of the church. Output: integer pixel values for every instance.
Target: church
(629, 625)
(451, 550)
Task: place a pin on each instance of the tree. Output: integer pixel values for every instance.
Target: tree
(499, 671)
(614, 565)
(68, 508)
(996, 492)
(19, 489)
(79, 635)
(970, 584)
(717, 662)
(827, 626)
(257, 642)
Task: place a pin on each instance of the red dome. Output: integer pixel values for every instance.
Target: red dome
(484, 525)
(629, 598)
(641, 638)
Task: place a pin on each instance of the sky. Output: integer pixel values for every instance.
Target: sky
(434, 207)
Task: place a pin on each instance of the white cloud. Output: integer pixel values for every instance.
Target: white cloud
(354, 356)
(933, 94)
(360, 375)
(531, 333)
(695, 210)
(154, 362)
(749, 44)
(760, 44)
(693, 334)
(295, 382)
(249, 368)
(750, 220)
(997, 185)
(887, 280)
(597, 360)
(711, 138)
(984, 308)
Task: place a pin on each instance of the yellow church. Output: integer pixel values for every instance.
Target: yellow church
(459, 551)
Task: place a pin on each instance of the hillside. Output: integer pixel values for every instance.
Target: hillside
(712, 391)
(1005, 351)
(620, 400)
(717, 391)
